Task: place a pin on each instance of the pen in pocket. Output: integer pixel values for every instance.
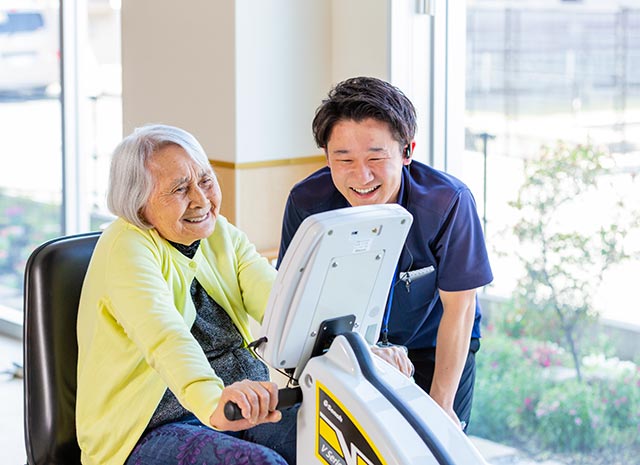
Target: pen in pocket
(409, 276)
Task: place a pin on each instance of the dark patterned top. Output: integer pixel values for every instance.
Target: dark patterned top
(221, 342)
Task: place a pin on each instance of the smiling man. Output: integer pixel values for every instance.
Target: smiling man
(366, 128)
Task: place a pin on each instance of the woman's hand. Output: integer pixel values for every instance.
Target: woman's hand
(257, 401)
(396, 356)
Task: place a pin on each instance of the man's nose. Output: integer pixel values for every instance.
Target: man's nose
(363, 172)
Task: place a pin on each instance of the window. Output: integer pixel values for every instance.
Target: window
(553, 91)
(35, 203)
(30, 178)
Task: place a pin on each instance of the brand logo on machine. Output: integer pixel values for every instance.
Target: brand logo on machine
(340, 439)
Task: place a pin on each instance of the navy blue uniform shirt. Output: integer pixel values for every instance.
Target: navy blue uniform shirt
(445, 247)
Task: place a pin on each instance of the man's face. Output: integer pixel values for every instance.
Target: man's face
(365, 161)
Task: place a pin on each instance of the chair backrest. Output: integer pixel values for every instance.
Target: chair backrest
(53, 280)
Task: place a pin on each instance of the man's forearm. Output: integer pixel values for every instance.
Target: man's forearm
(452, 348)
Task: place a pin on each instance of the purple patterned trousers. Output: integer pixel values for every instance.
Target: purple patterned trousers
(189, 442)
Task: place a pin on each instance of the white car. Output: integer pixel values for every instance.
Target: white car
(29, 51)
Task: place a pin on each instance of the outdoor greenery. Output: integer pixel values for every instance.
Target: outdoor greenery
(24, 224)
(548, 381)
(567, 244)
(526, 396)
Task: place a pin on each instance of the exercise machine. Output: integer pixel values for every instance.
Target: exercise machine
(324, 313)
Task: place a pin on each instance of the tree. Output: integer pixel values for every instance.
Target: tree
(569, 234)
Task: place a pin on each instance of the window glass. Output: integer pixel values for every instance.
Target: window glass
(21, 21)
(552, 154)
(31, 199)
(31, 174)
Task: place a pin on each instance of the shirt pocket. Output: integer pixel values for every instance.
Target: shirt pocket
(413, 302)
(422, 278)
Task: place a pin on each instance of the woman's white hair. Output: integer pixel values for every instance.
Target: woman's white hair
(130, 182)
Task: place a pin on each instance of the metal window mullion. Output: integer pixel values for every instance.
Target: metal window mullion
(73, 20)
(439, 87)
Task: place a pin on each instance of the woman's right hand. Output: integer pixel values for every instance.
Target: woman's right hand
(257, 401)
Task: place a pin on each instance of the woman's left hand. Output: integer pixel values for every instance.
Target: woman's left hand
(396, 356)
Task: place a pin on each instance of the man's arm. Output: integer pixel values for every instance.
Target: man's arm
(452, 347)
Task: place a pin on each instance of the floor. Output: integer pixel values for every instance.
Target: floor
(12, 451)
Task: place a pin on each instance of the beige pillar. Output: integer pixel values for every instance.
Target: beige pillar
(245, 77)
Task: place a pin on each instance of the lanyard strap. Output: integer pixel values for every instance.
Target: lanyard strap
(385, 319)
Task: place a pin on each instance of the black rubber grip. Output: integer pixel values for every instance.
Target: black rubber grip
(286, 398)
(232, 412)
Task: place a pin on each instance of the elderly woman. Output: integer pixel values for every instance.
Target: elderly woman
(163, 322)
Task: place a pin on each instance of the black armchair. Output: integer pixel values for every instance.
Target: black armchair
(53, 279)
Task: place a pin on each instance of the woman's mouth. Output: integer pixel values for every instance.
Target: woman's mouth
(197, 219)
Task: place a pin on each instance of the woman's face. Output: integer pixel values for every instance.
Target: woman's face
(185, 200)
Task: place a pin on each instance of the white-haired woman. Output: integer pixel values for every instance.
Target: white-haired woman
(163, 322)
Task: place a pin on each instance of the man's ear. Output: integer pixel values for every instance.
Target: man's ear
(408, 152)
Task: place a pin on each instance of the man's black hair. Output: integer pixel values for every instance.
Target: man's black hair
(361, 98)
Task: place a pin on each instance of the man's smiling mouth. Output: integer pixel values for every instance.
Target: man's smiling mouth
(364, 191)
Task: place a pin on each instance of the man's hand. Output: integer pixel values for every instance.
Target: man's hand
(455, 418)
(396, 356)
(257, 401)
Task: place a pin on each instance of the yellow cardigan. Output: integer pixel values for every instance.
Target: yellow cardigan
(134, 323)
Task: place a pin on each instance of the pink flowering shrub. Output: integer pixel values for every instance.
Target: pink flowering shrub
(523, 396)
(569, 417)
(24, 224)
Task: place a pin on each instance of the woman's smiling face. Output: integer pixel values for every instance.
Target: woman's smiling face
(185, 200)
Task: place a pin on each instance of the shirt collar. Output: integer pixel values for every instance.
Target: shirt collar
(404, 179)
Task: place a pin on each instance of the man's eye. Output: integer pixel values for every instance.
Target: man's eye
(180, 190)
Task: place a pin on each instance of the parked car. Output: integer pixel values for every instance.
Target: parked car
(29, 51)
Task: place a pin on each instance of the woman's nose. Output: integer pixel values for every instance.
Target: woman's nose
(198, 197)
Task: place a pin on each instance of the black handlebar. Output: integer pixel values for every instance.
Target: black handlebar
(286, 398)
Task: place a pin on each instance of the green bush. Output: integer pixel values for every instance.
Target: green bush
(24, 224)
(527, 393)
(621, 399)
(569, 417)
